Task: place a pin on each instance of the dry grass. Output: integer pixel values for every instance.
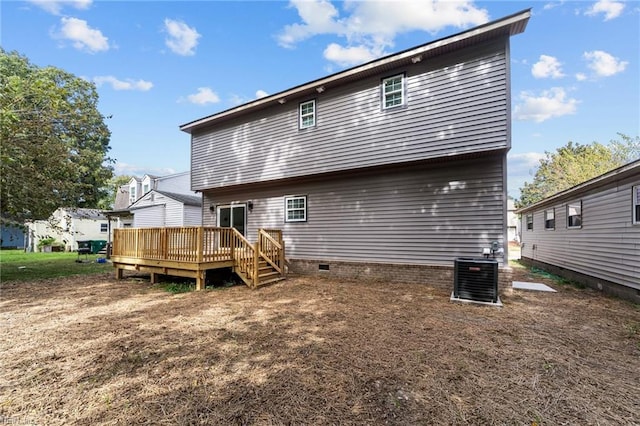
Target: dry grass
(92, 350)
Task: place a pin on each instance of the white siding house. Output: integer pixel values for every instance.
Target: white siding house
(161, 208)
(68, 226)
(154, 201)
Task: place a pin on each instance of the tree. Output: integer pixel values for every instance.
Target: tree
(114, 184)
(54, 140)
(573, 164)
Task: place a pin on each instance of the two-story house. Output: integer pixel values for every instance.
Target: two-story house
(156, 201)
(391, 169)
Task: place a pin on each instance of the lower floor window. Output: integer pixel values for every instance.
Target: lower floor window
(104, 227)
(295, 208)
(574, 215)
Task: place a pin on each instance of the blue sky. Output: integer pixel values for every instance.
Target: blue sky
(159, 64)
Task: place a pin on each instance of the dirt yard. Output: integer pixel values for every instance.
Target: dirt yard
(92, 350)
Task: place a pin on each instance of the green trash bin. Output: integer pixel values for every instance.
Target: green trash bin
(97, 245)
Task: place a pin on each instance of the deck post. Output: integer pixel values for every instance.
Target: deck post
(200, 248)
(200, 279)
(256, 270)
(281, 255)
(119, 273)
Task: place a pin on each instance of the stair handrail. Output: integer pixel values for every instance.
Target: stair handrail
(278, 248)
(242, 262)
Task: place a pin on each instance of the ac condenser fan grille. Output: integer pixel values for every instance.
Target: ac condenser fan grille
(476, 279)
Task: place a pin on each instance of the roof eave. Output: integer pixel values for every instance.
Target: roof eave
(611, 176)
(511, 25)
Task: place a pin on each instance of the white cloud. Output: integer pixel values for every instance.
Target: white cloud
(346, 56)
(55, 6)
(604, 64)
(182, 39)
(204, 96)
(581, 76)
(82, 36)
(524, 162)
(549, 104)
(261, 94)
(369, 27)
(128, 84)
(547, 67)
(610, 9)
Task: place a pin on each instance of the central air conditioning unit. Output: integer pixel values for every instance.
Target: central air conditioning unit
(475, 280)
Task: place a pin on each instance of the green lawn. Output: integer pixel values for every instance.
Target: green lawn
(16, 265)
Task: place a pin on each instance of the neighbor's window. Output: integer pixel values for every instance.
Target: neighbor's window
(145, 188)
(636, 204)
(307, 114)
(132, 194)
(574, 215)
(393, 91)
(295, 209)
(529, 219)
(104, 227)
(550, 219)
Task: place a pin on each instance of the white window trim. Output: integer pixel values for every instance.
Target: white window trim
(301, 116)
(526, 222)
(581, 221)
(287, 210)
(402, 92)
(553, 211)
(132, 194)
(635, 204)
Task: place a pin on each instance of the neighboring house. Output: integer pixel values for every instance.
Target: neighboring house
(391, 169)
(12, 236)
(590, 232)
(68, 226)
(157, 201)
(161, 208)
(513, 222)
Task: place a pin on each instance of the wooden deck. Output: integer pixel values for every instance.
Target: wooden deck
(191, 251)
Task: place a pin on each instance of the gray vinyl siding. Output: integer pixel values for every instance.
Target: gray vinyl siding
(607, 246)
(456, 103)
(425, 215)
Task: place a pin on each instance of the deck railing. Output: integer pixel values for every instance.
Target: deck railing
(198, 245)
(271, 248)
(190, 244)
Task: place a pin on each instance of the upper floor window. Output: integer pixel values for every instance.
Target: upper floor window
(393, 91)
(295, 209)
(574, 215)
(529, 219)
(307, 114)
(145, 188)
(636, 204)
(550, 219)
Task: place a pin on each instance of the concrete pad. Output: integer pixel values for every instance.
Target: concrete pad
(522, 285)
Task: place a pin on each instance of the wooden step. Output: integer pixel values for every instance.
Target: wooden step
(271, 281)
(268, 275)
